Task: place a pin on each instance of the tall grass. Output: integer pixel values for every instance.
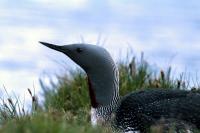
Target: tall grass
(66, 103)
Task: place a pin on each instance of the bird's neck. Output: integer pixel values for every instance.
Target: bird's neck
(104, 92)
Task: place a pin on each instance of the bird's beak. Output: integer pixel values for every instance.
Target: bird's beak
(52, 46)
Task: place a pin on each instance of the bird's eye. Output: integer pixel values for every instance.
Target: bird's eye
(79, 50)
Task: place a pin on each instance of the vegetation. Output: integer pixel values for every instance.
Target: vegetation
(66, 106)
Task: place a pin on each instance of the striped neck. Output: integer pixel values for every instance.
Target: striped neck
(104, 93)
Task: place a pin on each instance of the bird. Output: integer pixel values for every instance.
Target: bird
(136, 111)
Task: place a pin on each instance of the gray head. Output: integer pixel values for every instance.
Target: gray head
(88, 57)
(98, 65)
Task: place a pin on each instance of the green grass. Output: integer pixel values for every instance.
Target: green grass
(66, 104)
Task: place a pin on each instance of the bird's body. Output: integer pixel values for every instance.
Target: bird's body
(136, 111)
(146, 108)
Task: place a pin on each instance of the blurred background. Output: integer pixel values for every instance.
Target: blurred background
(166, 31)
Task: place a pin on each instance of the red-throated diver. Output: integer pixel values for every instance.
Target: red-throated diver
(136, 111)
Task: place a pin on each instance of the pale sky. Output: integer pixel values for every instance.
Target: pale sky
(167, 31)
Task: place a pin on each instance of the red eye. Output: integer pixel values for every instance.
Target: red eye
(79, 50)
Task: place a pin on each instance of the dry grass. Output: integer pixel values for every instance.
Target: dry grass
(66, 104)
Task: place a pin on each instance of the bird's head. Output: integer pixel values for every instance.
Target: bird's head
(88, 57)
(98, 65)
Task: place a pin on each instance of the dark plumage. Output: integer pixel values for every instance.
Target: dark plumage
(140, 110)
(136, 111)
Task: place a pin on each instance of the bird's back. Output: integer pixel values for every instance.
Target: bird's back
(139, 110)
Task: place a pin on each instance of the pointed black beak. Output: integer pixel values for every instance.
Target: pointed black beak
(52, 46)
